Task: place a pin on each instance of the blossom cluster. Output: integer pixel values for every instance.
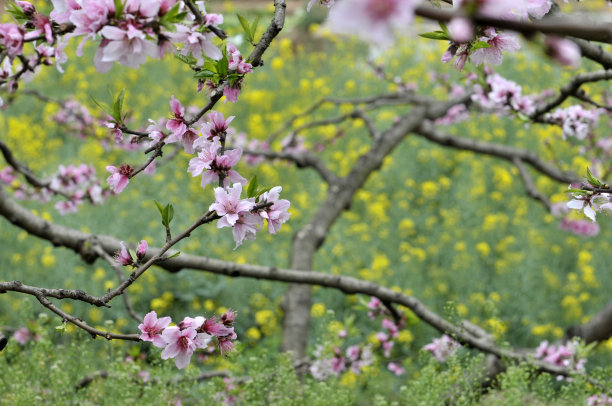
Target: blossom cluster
(503, 95)
(562, 355)
(576, 121)
(358, 356)
(442, 348)
(76, 184)
(599, 400)
(124, 256)
(183, 339)
(355, 358)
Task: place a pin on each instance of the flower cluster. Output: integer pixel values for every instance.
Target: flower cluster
(442, 348)
(124, 256)
(576, 121)
(562, 355)
(182, 340)
(599, 400)
(76, 185)
(503, 95)
(358, 356)
(355, 358)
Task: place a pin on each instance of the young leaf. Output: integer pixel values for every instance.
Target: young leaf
(592, 179)
(187, 59)
(204, 74)
(444, 28)
(252, 189)
(118, 106)
(159, 207)
(480, 44)
(119, 8)
(262, 191)
(170, 213)
(174, 255)
(245, 27)
(101, 105)
(16, 11)
(254, 28)
(223, 65)
(439, 35)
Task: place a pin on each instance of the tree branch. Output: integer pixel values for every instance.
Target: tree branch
(506, 152)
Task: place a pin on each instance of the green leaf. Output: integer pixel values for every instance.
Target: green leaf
(204, 74)
(16, 11)
(245, 27)
(210, 65)
(480, 44)
(187, 59)
(118, 106)
(438, 35)
(444, 28)
(174, 255)
(252, 189)
(119, 8)
(254, 28)
(61, 328)
(159, 207)
(101, 105)
(223, 65)
(592, 179)
(263, 190)
(170, 213)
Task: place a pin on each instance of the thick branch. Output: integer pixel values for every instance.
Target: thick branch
(506, 152)
(552, 25)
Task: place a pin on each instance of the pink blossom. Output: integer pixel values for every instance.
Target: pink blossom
(236, 63)
(461, 29)
(599, 400)
(216, 127)
(231, 92)
(128, 45)
(152, 328)
(217, 165)
(564, 51)
(177, 123)
(352, 352)
(211, 19)
(141, 250)
(214, 328)
(442, 348)
(498, 42)
(22, 335)
(580, 227)
(12, 36)
(119, 178)
(228, 205)
(92, 16)
(180, 345)
(276, 214)
(123, 256)
(27, 7)
(372, 20)
(246, 227)
(374, 303)
(195, 43)
(7, 175)
(397, 369)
